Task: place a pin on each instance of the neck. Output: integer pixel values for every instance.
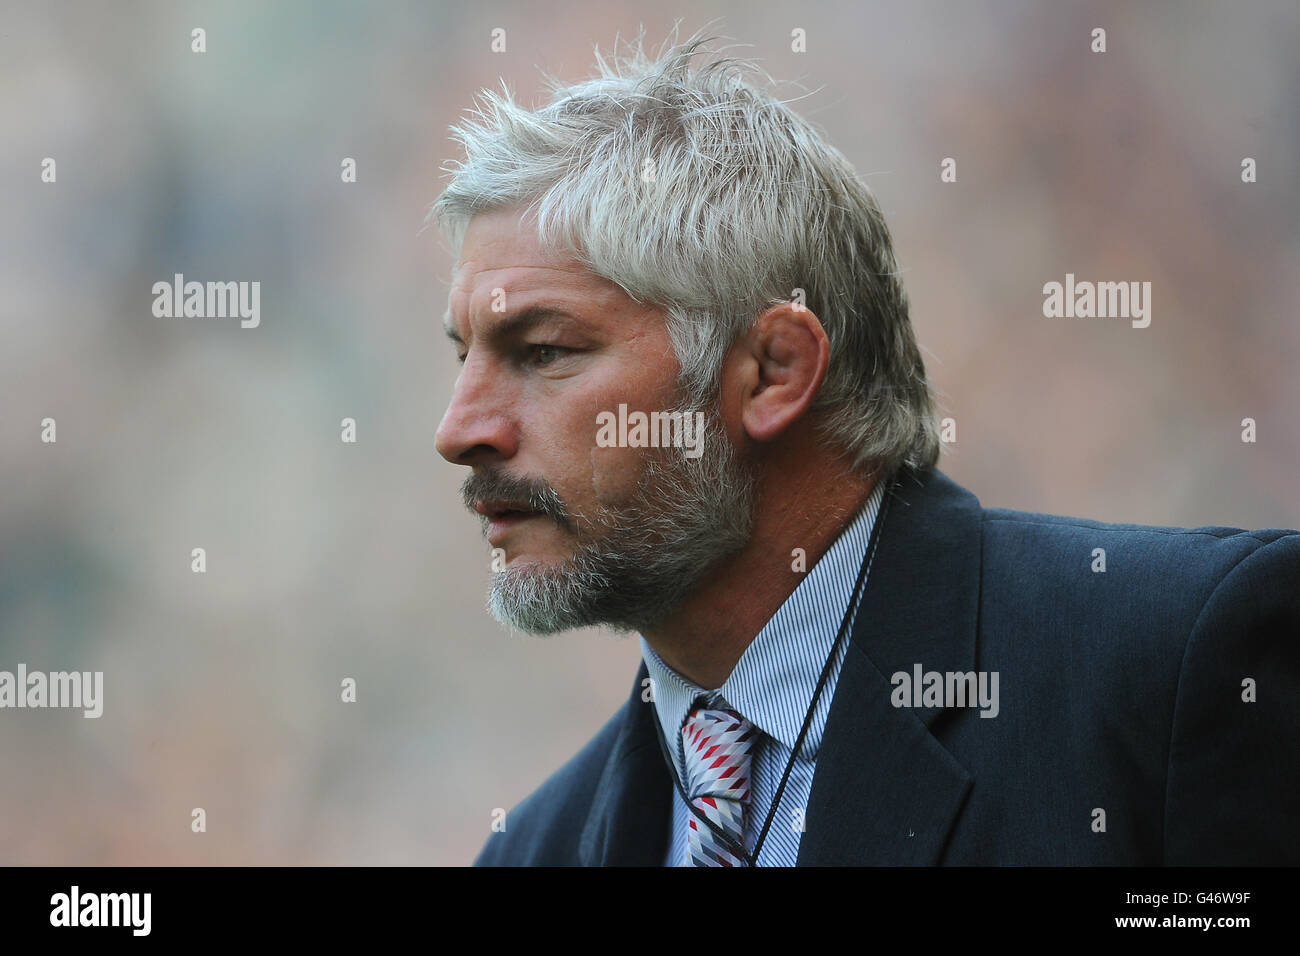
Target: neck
(804, 506)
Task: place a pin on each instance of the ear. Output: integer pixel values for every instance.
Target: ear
(779, 366)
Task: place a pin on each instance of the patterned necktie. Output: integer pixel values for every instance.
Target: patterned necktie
(718, 745)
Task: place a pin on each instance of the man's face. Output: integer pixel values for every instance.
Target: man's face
(591, 534)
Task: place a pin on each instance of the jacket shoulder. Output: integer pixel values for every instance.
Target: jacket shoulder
(544, 829)
(1067, 525)
(1107, 588)
(1174, 569)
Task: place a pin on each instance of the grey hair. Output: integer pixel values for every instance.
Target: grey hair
(698, 192)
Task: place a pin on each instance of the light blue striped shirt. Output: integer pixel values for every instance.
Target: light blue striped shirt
(771, 686)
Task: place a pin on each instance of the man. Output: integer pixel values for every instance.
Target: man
(693, 407)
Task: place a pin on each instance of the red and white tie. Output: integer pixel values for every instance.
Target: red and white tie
(718, 745)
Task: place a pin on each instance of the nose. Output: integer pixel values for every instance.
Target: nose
(476, 427)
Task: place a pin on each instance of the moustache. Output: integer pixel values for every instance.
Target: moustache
(530, 494)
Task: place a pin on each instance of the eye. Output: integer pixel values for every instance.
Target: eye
(546, 354)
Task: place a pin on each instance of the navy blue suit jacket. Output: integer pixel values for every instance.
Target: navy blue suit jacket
(1120, 691)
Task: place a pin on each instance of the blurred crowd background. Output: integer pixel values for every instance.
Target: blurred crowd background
(328, 560)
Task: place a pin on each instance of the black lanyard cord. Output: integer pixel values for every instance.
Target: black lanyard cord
(726, 839)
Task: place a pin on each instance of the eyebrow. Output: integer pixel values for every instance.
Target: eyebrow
(509, 325)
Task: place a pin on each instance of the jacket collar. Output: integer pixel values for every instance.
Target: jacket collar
(885, 791)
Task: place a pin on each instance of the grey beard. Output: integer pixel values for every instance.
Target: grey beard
(637, 563)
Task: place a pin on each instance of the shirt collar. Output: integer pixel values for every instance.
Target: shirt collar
(774, 680)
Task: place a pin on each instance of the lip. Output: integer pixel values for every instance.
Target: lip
(498, 528)
(503, 516)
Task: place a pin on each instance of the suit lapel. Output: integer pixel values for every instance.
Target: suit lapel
(631, 810)
(885, 791)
